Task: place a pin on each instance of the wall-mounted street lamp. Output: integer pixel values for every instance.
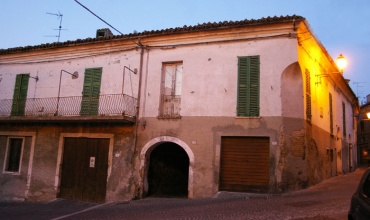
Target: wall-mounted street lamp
(123, 77)
(74, 76)
(341, 62)
(368, 115)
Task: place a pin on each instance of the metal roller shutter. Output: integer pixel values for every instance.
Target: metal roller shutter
(244, 164)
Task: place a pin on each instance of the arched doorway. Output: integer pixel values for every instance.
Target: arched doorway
(168, 171)
(160, 143)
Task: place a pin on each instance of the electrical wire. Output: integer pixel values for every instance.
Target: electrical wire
(107, 23)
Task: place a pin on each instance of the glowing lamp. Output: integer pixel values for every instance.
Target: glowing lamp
(368, 115)
(341, 62)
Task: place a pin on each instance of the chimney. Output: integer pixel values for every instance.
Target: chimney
(104, 32)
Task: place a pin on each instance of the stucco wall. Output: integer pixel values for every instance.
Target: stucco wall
(298, 148)
(8, 179)
(114, 76)
(46, 160)
(203, 136)
(209, 84)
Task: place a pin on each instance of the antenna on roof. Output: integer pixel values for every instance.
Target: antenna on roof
(60, 16)
(358, 88)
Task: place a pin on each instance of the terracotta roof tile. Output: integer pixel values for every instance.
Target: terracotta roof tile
(184, 29)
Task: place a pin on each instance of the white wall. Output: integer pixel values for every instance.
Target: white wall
(49, 75)
(210, 76)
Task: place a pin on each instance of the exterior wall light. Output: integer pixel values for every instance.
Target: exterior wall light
(341, 62)
(368, 115)
(74, 76)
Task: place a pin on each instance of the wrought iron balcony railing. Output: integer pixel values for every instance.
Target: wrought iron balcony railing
(103, 105)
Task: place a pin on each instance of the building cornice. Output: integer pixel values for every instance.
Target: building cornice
(155, 33)
(169, 41)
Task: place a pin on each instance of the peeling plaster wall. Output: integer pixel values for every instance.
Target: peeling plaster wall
(298, 152)
(324, 80)
(209, 83)
(114, 76)
(208, 104)
(44, 182)
(203, 136)
(9, 180)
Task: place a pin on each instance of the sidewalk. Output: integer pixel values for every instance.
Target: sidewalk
(329, 199)
(42, 210)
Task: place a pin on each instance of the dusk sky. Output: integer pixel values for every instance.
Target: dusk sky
(342, 26)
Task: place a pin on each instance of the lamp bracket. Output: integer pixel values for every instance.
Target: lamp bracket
(134, 71)
(36, 77)
(74, 75)
(318, 78)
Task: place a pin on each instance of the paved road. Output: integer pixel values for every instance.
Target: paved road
(327, 200)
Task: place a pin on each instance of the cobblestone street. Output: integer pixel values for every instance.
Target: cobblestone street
(327, 200)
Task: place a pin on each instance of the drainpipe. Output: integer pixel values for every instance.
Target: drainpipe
(137, 192)
(138, 97)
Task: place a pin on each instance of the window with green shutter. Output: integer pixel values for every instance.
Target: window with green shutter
(331, 113)
(20, 94)
(344, 119)
(91, 91)
(248, 86)
(308, 96)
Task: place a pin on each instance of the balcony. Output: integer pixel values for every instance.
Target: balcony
(116, 108)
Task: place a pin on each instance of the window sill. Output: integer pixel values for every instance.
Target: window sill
(248, 117)
(169, 117)
(11, 173)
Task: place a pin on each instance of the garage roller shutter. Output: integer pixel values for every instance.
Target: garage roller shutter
(245, 164)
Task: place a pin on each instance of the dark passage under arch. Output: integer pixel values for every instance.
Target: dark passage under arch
(168, 171)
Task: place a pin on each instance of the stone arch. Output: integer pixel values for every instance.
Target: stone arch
(145, 159)
(292, 94)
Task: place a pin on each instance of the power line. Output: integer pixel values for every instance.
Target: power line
(106, 23)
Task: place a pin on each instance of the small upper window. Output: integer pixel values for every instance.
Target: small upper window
(171, 90)
(14, 155)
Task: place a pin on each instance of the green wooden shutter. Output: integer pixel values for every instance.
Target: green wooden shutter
(91, 91)
(308, 96)
(331, 113)
(344, 120)
(20, 95)
(254, 88)
(248, 86)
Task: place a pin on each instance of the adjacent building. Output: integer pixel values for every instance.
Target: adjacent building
(363, 133)
(252, 106)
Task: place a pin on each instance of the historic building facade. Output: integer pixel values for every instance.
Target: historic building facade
(252, 106)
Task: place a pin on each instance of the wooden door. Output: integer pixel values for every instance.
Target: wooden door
(84, 169)
(244, 164)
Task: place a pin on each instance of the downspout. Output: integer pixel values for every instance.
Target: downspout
(137, 192)
(138, 98)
